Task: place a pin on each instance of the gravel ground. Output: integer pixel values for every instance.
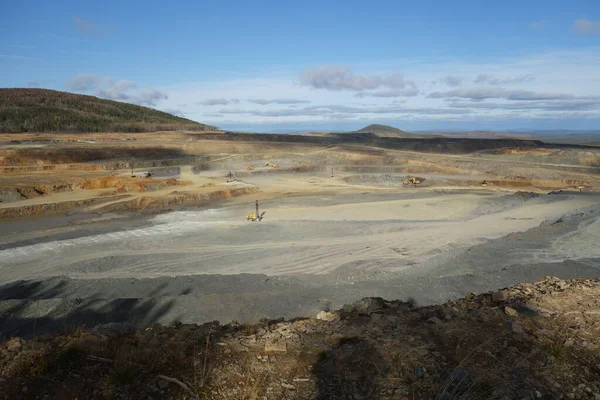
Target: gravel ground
(309, 254)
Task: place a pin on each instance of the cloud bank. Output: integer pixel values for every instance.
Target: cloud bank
(494, 80)
(482, 93)
(107, 88)
(341, 78)
(452, 81)
(264, 102)
(550, 86)
(217, 102)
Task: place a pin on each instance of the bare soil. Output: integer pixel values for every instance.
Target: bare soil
(80, 238)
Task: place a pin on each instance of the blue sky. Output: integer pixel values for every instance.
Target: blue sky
(268, 65)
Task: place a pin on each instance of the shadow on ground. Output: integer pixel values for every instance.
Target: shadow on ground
(350, 370)
(86, 154)
(19, 300)
(532, 341)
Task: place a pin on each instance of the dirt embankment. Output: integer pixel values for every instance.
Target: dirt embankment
(53, 208)
(573, 156)
(120, 202)
(117, 184)
(10, 194)
(176, 199)
(531, 341)
(129, 184)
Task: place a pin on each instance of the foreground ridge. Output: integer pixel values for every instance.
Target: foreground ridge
(530, 341)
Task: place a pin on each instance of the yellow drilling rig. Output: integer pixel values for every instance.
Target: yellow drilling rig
(256, 217)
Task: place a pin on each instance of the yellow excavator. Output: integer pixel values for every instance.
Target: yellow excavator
(256, 217)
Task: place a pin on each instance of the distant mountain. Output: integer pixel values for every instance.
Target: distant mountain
(42, 110)
(385, 131)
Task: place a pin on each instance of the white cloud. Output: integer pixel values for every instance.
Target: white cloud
(264, 102)
(148, 97)
(494, 80)
(585, 26)
(482, 93)
(341, 110)
(565, 82)
(578, 104)
(85, 82)
(107, 88)
(408, 92)
(217, 102)
(451, 80)
(341, 78)
(119, 90)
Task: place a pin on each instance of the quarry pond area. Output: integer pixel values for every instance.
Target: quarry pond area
(158, 230)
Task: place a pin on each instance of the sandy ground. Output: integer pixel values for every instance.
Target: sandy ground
(325, 240)
(382, 234)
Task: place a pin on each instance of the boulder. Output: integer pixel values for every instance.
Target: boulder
(328, 316)
(280, 347)
(511, 311)
(366, 305)
(14, 344)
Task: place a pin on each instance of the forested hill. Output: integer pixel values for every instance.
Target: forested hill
(42, 110)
